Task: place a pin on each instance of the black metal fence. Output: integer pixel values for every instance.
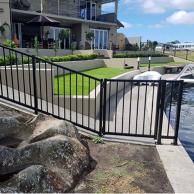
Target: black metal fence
(105, 107)
(141, 108)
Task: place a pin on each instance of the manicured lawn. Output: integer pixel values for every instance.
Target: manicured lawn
(163, 64)
(72, 84)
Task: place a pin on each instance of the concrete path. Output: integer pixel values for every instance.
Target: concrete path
(131, 112)
(178, 166)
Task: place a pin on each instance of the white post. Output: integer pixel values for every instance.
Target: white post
(58, 7)
(41, 6)
(116, 10)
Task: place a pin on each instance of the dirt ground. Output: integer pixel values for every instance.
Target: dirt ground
(124, 168)
(118, 167)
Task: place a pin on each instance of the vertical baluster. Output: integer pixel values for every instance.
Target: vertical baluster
(137, 113)
(23, 74)
(130, 106)
(145, 104)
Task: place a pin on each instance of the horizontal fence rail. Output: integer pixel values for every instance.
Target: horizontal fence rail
(106, 107)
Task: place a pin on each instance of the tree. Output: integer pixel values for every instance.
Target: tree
(36, 44)
(56, 47)
(63, 35)
(73, 46)
(154, 45)
(90, 38)
(175, 42)
(132, 47)
(150, 45)
(3, 29)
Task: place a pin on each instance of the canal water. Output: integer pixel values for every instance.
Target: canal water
(186, 133)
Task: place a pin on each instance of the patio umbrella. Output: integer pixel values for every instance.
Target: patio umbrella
(43, 21)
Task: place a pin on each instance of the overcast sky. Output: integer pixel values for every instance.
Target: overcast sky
(161, 20)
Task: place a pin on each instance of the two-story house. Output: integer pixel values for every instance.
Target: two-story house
(78, 16)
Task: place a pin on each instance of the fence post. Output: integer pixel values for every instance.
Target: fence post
(101, 130)
(35, 84)
(175, 52)
(104, 106)
(187, 53)
(157, 109)
(178, 111)
(161, 112)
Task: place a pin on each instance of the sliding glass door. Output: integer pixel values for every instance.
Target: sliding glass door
(100, 39)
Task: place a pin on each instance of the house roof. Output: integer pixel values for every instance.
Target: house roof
(119, 24)
(101, 1)
(106, 1)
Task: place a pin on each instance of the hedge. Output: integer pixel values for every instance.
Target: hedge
(136, 55)
(12, 59)
(79, 57)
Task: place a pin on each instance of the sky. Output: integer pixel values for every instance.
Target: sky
(160, 20)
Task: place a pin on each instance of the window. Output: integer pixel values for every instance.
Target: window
(100, 39)
(88, 12)
(54, 36)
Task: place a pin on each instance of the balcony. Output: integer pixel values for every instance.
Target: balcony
(79, 9)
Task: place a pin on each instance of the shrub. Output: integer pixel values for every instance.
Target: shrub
(135, 55)
(97, 140)
(7, 60)
(78, 57)
(12, 60)
(9, 43)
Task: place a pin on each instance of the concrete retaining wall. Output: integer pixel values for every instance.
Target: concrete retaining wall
(120, 62)
(62, 52)
(82, 65)
(157, 59)
(41, 83)
(45, 52)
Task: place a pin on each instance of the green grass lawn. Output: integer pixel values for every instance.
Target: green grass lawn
(163, 64)
(82, 85)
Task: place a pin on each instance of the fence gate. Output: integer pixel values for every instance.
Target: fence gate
(142, 108)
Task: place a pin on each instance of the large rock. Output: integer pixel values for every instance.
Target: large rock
(52, 159)
(13, 123)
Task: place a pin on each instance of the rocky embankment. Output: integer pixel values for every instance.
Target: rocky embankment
(40, 155)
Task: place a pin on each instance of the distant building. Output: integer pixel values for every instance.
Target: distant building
(134, 41)
(184, 46)
(123, 42)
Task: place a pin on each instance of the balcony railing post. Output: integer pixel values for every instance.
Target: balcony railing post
(34, 84)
